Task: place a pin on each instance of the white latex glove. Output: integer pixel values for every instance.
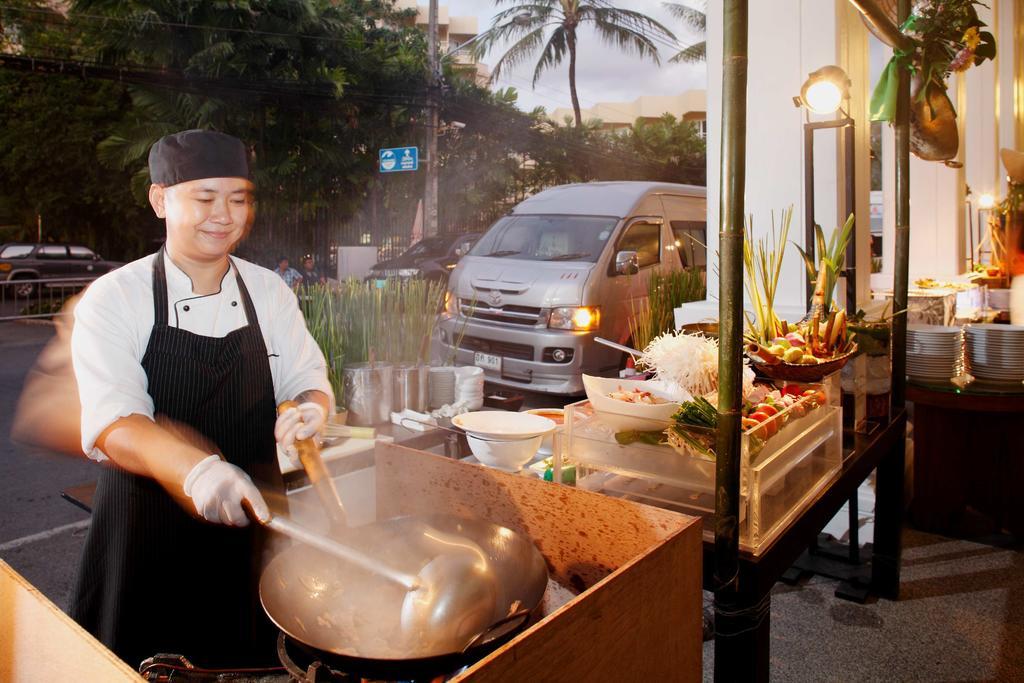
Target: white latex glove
(295, 424)
(218, 488)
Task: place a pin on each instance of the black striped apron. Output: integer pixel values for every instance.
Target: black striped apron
(153, 577)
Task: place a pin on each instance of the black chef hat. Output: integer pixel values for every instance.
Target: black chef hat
(195, 154)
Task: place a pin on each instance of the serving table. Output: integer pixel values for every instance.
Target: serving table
(749, 629)
(968, 453)
(941, 305)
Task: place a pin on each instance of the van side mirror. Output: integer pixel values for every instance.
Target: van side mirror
(627, 263)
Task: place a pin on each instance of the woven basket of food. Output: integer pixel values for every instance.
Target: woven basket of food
(801, 372)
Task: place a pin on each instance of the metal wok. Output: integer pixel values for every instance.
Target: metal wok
(352, 617)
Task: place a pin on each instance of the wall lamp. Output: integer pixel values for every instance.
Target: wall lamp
(824, 90)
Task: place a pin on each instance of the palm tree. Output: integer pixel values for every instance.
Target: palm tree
(697, 20)
(552, 25)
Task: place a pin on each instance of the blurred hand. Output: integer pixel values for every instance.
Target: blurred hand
(218, 489)
(296, 424)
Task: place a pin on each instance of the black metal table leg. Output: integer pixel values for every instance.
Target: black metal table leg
(743, 639)
(888, 546)
(854, 540)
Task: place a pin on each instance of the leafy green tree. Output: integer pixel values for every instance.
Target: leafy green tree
(551, 26)
(50, 127)
(697, 20)
(671, 151)
(312, 85)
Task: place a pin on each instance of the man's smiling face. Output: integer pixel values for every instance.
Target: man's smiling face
(205, 218)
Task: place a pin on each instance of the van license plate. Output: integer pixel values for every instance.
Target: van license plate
(487, 361)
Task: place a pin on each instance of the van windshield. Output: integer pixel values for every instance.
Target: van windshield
(547, 238)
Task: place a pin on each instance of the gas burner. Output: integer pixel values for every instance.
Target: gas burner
(311, 669)
(305, 666)
(165, 668)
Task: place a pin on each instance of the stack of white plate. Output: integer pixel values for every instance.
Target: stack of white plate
(934, 353)
(469, 387)
(996, 353)
(441, 387)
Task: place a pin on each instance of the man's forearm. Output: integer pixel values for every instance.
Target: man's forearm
(164, 452)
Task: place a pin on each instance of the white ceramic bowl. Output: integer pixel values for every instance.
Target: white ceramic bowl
(598, 389)
(502, 425)
(509, 456)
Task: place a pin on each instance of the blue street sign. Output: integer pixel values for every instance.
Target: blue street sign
(399, 159)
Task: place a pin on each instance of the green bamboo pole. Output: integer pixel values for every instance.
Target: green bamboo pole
(887, 556)
(732, 632)
(901, 279)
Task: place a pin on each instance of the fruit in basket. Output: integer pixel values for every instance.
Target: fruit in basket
(815, 341)
(820, 338)
(793, 355)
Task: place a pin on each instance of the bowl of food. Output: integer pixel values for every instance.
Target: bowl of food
(509, 456)
(645, 400)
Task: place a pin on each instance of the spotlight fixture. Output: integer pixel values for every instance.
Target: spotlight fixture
(824, 90)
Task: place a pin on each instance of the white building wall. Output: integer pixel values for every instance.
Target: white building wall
(1009, 23)
(788, 39)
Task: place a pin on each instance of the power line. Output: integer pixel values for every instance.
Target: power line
(179, 81)
(49, 16)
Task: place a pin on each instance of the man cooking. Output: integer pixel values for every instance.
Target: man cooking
(181, 358)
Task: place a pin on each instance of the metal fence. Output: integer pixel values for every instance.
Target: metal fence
(24, 299)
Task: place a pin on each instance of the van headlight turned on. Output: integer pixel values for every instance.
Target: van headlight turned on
(451, 304)
(580, 319)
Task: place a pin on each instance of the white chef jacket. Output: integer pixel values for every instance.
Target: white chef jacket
(114, 319)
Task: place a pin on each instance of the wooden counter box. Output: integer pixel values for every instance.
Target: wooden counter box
(38, 642)
(636, 569)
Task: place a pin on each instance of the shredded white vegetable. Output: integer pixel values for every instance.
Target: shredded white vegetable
(689, 362)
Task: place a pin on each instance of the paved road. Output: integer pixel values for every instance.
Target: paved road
(41, 535)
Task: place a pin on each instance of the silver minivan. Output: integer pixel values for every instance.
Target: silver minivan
(563, 267)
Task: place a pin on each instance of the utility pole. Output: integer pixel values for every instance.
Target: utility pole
(433, 94)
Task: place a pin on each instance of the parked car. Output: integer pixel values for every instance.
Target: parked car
(432, 258)
(567, 265)
(28, 261)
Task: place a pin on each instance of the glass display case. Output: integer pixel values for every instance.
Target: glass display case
(783, 465)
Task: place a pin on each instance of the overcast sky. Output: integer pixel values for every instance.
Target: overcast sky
(603, 73)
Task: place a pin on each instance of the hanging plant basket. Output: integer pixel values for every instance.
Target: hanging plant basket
(945, 37)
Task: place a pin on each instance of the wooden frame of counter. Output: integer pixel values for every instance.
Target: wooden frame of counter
(38, 642)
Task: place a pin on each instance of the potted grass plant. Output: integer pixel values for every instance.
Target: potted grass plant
(655, 315)
(319, 306)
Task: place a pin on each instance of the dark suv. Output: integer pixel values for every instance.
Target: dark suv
(432, 258)
(26, 261)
